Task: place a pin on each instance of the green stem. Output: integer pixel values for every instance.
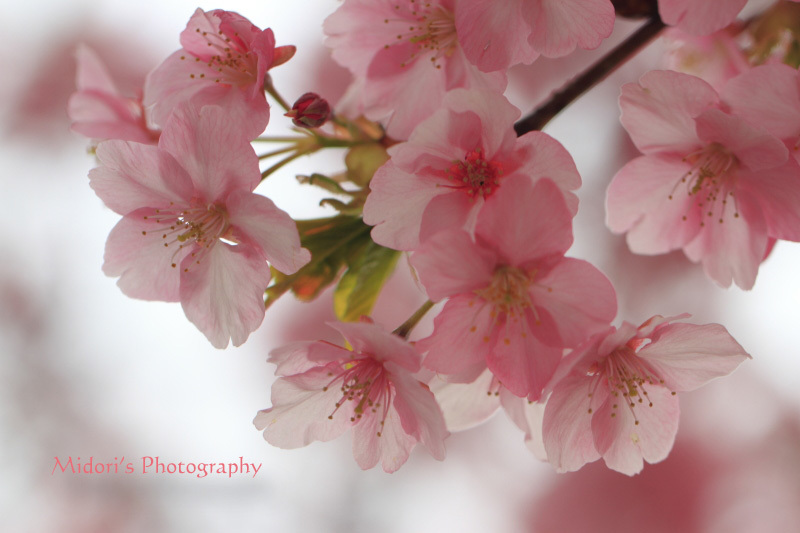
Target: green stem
(286, 160)
(597, 73)
(279, 139)
(405, 328)
(277, 152)
(270, 88)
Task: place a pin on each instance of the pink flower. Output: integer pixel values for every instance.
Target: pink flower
(709, 182)
(223, 62)
(192, 229)
(699, 18)
(324, 389)
(407, 56)
(496, 35)
(98, 111)
(515, 301)
(453, 162)
(615, 395)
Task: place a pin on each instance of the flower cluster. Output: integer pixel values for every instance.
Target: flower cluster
(439, 166)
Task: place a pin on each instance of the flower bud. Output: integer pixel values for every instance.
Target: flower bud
(310, 111)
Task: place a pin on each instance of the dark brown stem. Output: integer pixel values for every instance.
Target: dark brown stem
(597, 73)
(405, 328)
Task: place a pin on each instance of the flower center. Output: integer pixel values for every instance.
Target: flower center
(710, 181)
(229, 61)
(475, 175)
(431, 28)
(198, 225)
(364, 382)
(627, 376)
(508, 291)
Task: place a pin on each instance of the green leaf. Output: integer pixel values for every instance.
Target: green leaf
(360, 286)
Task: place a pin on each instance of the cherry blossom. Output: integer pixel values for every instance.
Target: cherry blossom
(497, 35)
(699, 18)
(515, 302)
(709, 182)
(99, 111)
(324, 389)
(192, 229)
(615, 395)
(224, 61)
(453, 162)
(405, 55)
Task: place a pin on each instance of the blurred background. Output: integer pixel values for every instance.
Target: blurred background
(87, 372)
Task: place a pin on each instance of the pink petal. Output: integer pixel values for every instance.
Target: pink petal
(381, 345)
(91, 73)
(646, 199)
(450, 263)
(493, 130)
(299, 357)
(493, 34)
(213, 151)
(732, 250)
(548, 227)
(623, 444)
(142, 262)
(223, 292)
(567, 425)
(448, 211)
(395, 206)
(133, 175)
(777, 193)
(420, 414)
(687, 356)
(257, 221)
(462, 336)
(541, 156)
(466, 405)
(406, 93)
(767, 96)
(391, 448)
(522, 363)
(754, 148)
(699, 18)
(561, 25)
(300, 410)
(578, 298)
(658, 112)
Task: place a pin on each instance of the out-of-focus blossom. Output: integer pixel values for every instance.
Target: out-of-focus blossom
(405, 56)
(699, 17)
(224, 61)
(615, 396)
(497, 35)
(710, 182)
(715, 58)
(325, 389)
(99, 111)
(515, 301)
(192, 229)
(453, 162)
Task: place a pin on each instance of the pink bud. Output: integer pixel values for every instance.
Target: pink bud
(310, 111)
